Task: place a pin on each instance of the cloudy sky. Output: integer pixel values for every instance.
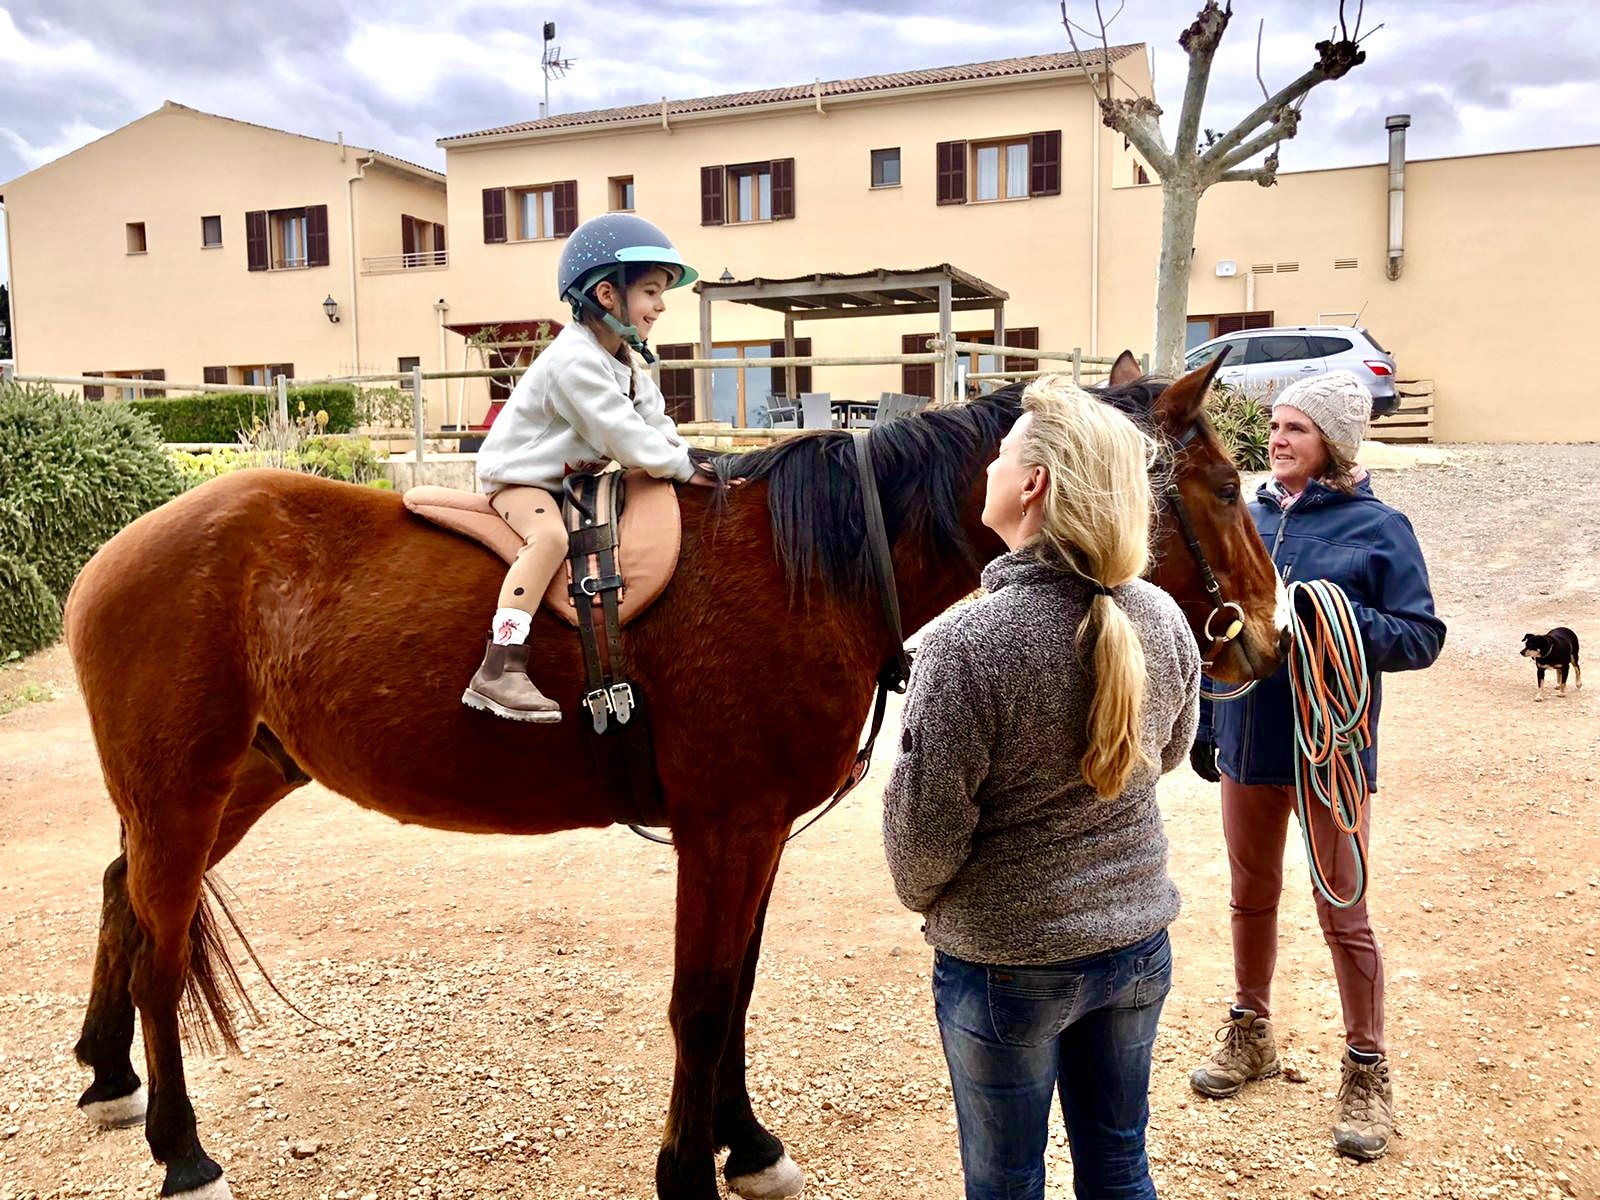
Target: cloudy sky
(397, 74)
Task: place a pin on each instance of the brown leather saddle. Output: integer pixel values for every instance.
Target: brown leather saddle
(624, 534)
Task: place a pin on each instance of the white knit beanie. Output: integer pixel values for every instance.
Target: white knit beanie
(1338, 402)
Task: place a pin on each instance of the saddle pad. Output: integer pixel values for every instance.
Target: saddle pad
(647, 544)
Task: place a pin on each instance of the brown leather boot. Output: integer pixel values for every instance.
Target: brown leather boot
(1248, 1052)
(1366, 1109)
(501, 686)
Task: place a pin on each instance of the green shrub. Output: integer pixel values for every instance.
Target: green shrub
(1243, 422)
(351, 459)
(30, 617)
(219, 416)
(71, 475)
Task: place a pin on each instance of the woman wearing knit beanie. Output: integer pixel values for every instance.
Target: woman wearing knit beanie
(1319, 518)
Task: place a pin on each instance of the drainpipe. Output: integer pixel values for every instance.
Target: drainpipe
(441, 308)
(1397, 126)
(1094, 226)
(355, 308)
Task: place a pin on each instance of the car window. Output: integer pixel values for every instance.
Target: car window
(1278, 347)
(1328, 346)
(1367, 333)
(1200, 355)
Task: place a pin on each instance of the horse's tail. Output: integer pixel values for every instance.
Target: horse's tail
(213, 994)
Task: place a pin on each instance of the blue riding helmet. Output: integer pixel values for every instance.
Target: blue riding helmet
(603, 248)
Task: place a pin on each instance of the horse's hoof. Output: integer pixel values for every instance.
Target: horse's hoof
(781, 1181)
(217, 1189)
(120, 1113)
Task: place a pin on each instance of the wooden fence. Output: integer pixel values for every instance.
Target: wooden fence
(1412, 421)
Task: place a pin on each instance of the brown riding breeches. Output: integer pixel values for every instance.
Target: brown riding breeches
(1255, 821)
(536, 516)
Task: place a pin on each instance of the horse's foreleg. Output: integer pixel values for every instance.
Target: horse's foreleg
(757, 1167)
(722, 883)
(116, 1098)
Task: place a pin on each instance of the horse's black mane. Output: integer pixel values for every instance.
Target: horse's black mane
(924, 464)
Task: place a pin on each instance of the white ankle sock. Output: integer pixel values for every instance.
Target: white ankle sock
(510, 626)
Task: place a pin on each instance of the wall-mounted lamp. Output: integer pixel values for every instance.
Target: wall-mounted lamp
(726, 276)
(331, 307)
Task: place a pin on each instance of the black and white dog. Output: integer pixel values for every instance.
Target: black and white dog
(1554, 651)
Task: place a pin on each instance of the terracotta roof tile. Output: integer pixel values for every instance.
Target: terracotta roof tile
(1001, 68)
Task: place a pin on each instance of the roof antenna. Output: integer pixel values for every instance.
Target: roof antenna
(1362, 309)
(553, 65)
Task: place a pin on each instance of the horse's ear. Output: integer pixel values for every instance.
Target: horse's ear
(1125, 370)
(1182, 403)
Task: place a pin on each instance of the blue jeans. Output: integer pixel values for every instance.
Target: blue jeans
(1013, 1036)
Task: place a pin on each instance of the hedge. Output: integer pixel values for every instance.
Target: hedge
(71, 475)
(219, 416)
(30, 618)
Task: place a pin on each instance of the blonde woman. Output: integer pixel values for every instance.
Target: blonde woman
(1021, 817)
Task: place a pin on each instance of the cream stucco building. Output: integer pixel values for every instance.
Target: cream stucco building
(1002, 169)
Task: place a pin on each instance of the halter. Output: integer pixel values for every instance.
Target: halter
(1208, 579)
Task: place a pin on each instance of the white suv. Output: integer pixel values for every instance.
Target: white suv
(1274, 358)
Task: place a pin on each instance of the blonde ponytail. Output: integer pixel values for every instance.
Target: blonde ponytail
(1098, 514)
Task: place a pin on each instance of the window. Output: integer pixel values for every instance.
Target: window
(1204, 328)
(622, 193)
(129, 391)
(136, 244)
(1326, 347)
(421, 243)
(917, 379)
(286, 239)
(1140, 175)
(886, 168)
(747, 192)
(536, 212)
(210, 232)
(290, 245)
(1000, 171)
(408, 365)
(750, 193)
(1279, 347)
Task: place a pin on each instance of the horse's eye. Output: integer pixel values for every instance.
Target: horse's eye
(1228, 494)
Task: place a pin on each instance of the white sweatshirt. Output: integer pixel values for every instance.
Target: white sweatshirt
(571, 412)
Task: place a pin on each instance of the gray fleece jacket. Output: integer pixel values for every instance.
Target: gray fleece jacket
(989, 828)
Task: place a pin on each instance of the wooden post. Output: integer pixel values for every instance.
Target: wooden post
(702, 396)
(946, 385)
(790, 390)
(418, 410)
(283, 398)
(1077, 366)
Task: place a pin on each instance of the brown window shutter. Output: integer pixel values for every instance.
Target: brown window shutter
(951, 164)
(1044, 163)
(92, 391)
(276, 369)
(317, 235)
(566, 207)
(1026, 338)
(408, 236)
(494, 214)
(214, 374)
(677, 387)
(713, 207)
(154, 373)
(255, 240)
(802, 375)
(438, 246)
(782, 189)
(916, 379)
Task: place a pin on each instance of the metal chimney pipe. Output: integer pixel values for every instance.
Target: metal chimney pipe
(1397, 126)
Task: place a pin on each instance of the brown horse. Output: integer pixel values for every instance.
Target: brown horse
(271, 628)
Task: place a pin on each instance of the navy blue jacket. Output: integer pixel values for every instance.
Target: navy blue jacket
(1369, 550)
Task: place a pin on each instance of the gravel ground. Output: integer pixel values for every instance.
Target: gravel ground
(489, 1012)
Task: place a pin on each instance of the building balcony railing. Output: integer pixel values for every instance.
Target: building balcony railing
(389, 264)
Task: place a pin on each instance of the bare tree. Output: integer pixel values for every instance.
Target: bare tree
(1197, 161)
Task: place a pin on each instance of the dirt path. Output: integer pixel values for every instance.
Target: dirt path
(493, 1009)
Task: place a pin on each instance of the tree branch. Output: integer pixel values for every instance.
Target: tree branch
(1200, 43)
(1139, 121)
(1267, 110)
(1266, 174)
(1281, 130)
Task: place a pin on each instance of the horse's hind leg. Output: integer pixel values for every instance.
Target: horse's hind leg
(757, 1167)
(721, 886)
(116, 1098)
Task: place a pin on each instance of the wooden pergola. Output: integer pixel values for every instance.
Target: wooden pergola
(941, 289)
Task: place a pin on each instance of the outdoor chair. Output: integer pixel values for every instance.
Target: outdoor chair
(897, 404)
(816, 410)
(782, 413)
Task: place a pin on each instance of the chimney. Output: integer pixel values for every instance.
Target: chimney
(1397, 126)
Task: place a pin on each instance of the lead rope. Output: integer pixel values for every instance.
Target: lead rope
(1332, 692)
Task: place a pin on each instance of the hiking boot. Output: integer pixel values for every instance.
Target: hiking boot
(1366, 1109)
(1248, 1052)
(501, 686)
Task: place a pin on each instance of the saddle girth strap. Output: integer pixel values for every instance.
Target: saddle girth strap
(623, 753)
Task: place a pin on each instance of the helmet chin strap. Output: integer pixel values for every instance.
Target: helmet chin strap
(628, 333)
